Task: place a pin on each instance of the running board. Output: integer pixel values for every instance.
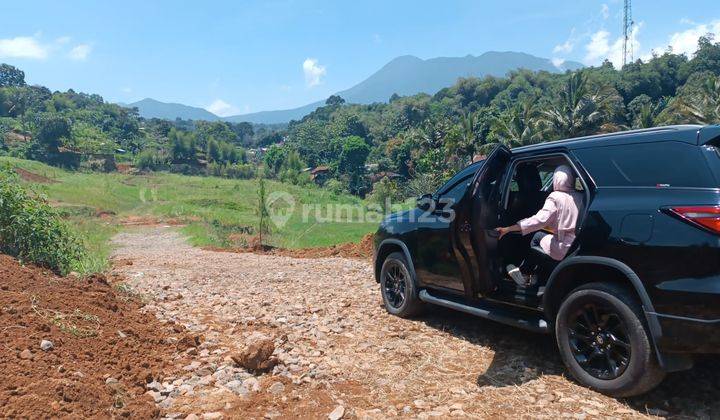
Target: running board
(528, 322)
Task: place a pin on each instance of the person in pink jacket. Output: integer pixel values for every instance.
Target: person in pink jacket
(558, 215)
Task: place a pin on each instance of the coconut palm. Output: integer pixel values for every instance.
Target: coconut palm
(703, 105)
(577, 109)
(519, 124)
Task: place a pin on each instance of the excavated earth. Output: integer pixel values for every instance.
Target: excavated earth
(77, 348)
(338, 354)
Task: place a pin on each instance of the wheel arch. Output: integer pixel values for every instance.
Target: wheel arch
(387, 247)
(564, 279)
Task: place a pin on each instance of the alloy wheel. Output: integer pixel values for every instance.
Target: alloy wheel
(599, 340)
(395, 285)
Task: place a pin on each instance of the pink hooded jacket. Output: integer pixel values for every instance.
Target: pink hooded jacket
(560, 214)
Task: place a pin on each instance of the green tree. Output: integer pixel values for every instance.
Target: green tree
(53, 130)
(698, 102)
(11, 76)
(518, 125)
(213, 151)
(578, 109)
(334, 100)
(353, 155)
(262, 213)
(384, 193)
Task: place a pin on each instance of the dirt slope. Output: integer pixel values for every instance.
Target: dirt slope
(339, 350)
(104, 349)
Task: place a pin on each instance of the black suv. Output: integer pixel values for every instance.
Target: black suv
(639, 291)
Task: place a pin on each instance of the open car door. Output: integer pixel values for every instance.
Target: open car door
(474, 237)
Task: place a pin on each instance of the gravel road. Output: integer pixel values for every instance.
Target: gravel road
(341, 354)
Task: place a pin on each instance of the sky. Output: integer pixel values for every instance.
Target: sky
(235, 57)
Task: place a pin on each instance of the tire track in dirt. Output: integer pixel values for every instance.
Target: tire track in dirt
(339, 348)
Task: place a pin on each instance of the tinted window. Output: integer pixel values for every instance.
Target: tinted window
(671, 164)
(712, 153)
(462, 175)
(454, 194)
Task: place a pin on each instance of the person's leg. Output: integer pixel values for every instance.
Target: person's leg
(522, 275)
(535, 255)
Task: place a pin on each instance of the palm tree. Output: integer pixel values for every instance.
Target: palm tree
(648, 115)
(701, 106)
(518, 125)
(576, 109)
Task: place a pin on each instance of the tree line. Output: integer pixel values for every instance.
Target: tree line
(415, 142)
(426, 138)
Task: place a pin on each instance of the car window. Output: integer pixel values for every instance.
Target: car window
(713, 158)
(456, 192)
(662, 164)
(467, 172)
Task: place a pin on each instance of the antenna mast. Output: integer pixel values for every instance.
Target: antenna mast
(627, 32)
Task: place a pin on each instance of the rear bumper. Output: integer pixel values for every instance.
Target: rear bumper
(688, 335)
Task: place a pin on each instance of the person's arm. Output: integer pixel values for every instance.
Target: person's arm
(532, 223)
(505, 230)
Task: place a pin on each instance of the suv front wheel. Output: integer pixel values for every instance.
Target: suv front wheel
(398, 287)
(604, 343)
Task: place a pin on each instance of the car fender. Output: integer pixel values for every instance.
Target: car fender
(405, 250)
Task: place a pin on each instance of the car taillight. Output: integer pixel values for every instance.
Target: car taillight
(705, 216)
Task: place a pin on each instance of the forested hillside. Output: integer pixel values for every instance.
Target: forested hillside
(409, 145)
(420, 140)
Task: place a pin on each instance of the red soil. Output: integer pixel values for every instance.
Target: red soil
(105, 348)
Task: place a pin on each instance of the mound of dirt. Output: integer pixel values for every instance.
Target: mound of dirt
(33, 177)
(75, 347)
(362, 249)
(357, 250)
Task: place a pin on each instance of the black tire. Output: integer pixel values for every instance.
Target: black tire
(395, 278)
(620, 342)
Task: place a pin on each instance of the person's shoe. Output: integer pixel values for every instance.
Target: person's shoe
(518, 277)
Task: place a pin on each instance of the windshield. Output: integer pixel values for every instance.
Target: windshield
(458, 177)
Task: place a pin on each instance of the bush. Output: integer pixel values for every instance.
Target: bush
(233, 171)
(149, 160)
(32, 231)
(336, 187)
(384, 193)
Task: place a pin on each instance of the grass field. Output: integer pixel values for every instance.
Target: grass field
(215, 211)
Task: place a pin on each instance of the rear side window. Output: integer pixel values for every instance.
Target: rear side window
(712, 153)
(662, 164)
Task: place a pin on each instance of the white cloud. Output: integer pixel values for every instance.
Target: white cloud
(80, 52)
(23, 47)
(605, 11)
(686, 42)
(558, 62)
(377, 38)
(63, 40)
(222, 108)
(313, 72)
(566, 47)
(601, 47)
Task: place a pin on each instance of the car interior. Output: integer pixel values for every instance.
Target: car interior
(524, 195)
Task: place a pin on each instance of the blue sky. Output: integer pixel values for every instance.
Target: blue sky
(245, 56)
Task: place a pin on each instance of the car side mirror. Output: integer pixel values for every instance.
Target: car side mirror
(426, 202)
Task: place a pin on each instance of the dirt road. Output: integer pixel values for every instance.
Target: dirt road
(340, 352)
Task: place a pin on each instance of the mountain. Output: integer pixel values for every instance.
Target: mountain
(428, 76)
(150, 108)
(404, 75)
